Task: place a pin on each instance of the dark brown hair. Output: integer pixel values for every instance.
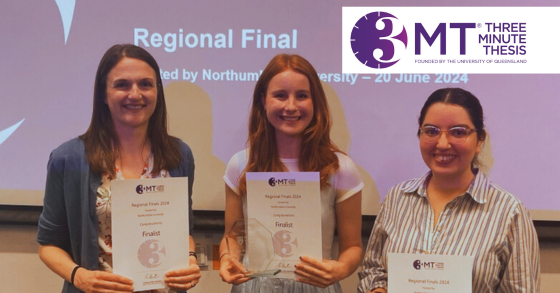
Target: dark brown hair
(462, 98)
(101, 142)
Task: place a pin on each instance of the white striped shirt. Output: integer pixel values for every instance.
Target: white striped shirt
(486, 222)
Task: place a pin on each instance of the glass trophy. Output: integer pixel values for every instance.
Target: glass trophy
(252, 244)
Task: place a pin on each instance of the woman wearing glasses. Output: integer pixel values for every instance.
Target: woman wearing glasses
(454, 209)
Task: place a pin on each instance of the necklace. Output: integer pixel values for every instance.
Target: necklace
(436, 212)
(145, 163)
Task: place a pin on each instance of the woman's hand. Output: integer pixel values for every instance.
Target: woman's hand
(60, 262)
(319, 273)
(232, 271)
(99, 281)
(184, 279)
(323, 273)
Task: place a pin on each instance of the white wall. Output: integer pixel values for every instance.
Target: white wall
(22, 271)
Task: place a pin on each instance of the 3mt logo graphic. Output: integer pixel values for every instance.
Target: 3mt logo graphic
(272, 181)
(284, 243)
(151, 253)
(378, 40)
(416, 264)
(281, 182)
(140, 189)
(428, 265)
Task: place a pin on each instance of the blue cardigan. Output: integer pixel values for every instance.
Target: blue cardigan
(69, 218)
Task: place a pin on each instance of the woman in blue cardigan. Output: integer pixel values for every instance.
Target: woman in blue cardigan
(127, 139)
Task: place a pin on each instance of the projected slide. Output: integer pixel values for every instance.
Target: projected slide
(212, 52)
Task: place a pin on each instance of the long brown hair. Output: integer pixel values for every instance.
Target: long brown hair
(101, 142)
(317, 149)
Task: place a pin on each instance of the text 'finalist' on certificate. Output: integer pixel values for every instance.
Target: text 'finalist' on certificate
(283, 220)
(150, 229)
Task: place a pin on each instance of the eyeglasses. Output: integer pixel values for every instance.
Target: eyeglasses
(456, 134)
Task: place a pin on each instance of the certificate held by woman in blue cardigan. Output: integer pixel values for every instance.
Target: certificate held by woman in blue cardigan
(150, 222)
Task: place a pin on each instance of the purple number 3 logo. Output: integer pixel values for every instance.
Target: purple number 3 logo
(151, 253)
(378, 40)
(284, 243)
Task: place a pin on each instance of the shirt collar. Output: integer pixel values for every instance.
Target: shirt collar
(478, 190)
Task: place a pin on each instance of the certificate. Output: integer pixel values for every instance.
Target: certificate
(283, 220)
(430, 273)
(150, 229)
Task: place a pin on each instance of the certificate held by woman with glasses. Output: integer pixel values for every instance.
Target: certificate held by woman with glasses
(284, 221)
